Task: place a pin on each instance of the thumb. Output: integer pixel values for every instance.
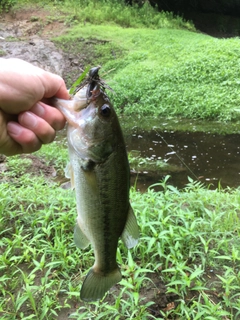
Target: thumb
(54, 86)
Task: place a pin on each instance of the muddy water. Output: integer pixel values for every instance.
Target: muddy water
(211, 158)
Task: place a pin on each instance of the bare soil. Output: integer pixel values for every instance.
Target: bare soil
(26, 34)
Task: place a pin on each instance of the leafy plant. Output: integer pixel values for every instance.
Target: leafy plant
(184, 234)
(78, 81)
(5, 5)
(186, 265)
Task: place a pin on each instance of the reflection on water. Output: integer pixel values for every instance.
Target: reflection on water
(209, 157)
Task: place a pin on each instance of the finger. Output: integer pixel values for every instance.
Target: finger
(10, 147)
(38, 126)
(62, 92)
(50, 114)
(7, 145)
(24, 140)
(54, 86)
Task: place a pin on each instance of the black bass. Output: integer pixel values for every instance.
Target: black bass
(99, 171)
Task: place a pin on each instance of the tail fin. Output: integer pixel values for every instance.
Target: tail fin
(96, 285)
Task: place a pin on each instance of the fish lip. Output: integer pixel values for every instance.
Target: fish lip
(81, 102)
(94, 93)
(93, 89)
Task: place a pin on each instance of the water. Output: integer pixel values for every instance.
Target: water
(210, 158)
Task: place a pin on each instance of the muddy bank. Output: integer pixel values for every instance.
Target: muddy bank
(26, 34)
(21, 37)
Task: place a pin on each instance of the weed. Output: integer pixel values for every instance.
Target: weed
(151, 75)
(34, 19)
(188, 253)
(146, 52)
(183, 234)
(5, 5)
(2, 53)
(139, 163)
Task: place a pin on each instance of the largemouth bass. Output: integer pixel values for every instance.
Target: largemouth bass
(99, 171)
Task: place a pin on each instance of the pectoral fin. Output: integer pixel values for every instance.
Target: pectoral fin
(69, 174)
(130, 233)
(96, 152)
(78, 144)
(80, 240)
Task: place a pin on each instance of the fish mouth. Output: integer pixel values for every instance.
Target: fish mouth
(88, 93)
(93, 88)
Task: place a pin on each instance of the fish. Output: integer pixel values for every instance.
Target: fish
(100, 174)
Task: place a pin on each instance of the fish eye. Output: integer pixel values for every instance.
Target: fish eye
(105, 110)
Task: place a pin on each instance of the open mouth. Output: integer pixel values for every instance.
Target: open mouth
(93, 89)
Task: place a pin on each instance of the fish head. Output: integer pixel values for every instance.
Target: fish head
(93, 129)
(96, 121)
(96, 132)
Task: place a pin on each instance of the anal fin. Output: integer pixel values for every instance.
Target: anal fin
(80, 240)
(130, 233)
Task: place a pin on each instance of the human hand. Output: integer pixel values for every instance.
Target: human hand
(26, 122)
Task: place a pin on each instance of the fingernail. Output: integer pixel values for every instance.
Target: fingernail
(14, 128)
(28, 119)
(39, 110)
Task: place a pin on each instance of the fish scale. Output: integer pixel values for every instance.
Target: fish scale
(100, 174)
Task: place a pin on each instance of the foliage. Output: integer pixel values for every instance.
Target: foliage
(189, 248)
(118, 12)
(158, 69)
(151, 75)
(189, 243)
(5, 5)
(154, 67)
(222, 6)
(78, 81)
(2, 53)
(164, 82)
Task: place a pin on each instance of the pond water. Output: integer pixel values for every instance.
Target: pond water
(201, 154)
(209, 157)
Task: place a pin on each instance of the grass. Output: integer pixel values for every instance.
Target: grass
(186, 265)
(113, 12)
(5, 5)
(157, 64)
(189, 248)
(164, 72)
(2, 53)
